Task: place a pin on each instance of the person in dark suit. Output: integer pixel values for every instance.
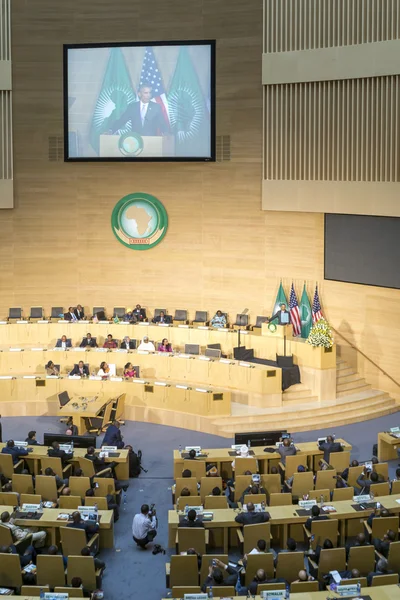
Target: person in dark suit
(260, 577)
(220, 574)
(374, 515)
(366, 479)
(143, 117)
(98, 463)
(315, 516)
(282, 315)
(80, 369)
(55, 451)
(191, 521)
(139, 313)
(128, 344)
(250, 490)
(70, 315)
(88, 341)
(113, 436)
(63, 342)
(31, 439)
(383, 545)
(315, 556)
(15, 451)
(382, 568)
(329, 446)
(287, 449)
(29, 556)
(353, 574)
(89, 527)
(251, 517)
(162, 318)
(79, 313)
(359, 541)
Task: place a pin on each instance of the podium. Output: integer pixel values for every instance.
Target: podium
(154, 146)
(282, 331)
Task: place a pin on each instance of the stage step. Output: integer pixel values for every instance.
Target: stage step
(345, 389)
(344, 370)
(295, 392)
(344, 378)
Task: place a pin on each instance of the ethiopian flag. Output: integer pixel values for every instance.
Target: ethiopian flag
(305, 314)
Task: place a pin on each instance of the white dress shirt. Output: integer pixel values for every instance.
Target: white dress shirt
(101, 373)
(147, 346)
(143, 110)
(141, 525)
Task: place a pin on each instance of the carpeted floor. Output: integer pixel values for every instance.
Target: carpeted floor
(132, 572)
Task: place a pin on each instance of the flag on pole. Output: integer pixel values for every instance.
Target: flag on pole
(151, 75)
(316, 307)
(188, 114)
(294, 312)
(305, 314)
(115, 94)
(280, 299)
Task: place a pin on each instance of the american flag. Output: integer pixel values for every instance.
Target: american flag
(294, 312)
(151, 74)
(316, 307)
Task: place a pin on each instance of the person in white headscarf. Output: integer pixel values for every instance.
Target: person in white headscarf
(146, 345)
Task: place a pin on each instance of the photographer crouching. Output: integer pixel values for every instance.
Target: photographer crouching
(144, 526)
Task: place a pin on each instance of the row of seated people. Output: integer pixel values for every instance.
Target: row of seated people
(111, 343)
(82, 369)
(138, 314)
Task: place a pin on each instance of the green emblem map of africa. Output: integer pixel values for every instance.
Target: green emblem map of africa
(139, 221)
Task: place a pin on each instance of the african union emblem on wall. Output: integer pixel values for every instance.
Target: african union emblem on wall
(139, 221)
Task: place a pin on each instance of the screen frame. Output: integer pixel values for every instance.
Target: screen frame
(137, 159)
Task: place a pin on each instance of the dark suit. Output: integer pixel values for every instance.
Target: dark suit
(311, 519)
(76, 371)
(15, 452)
(98, 463)
(261, 490)
(278, 316)
(67, 344)
(65, 456)
(252, 518)
(327, 448)
(140, 314)
(113, 437)
(231, 579)
(32, 442)
(364, 483)
(285, 451)
(79, 314)
(68, 316)
(382, 546)
(90, 528)
(131, 345)
(154, 122)
(166, 319)
(187, 523)
(91, 343)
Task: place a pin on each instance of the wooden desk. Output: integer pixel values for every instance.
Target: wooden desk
(49, 522)
(38, 452)
(80, 408)
(283, 516)
(387, 446)
(221, 456)
(384, 592)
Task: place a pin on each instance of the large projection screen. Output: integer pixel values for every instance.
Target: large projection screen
(150, 101)
(363, 249)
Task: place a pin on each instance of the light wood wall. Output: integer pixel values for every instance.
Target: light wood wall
(221, 249)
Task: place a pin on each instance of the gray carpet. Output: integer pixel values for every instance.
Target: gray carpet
(134, 572)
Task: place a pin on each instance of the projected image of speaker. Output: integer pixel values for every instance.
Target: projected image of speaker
(192, 349)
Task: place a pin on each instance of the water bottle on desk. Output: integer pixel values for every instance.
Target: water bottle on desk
(41, 594)
(210, 592)
(358, 588)
(72, 445)
(180, 449)
(96, 513)
(248, 445)
(124, 499)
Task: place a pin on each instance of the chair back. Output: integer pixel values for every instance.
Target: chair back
(56, 311)
(245, 464)
(213, 502)
(22, 484)
(339, 460)
(326, 480)
(289, 564)
(395, 487)
(381, 525)
(380, 489)
(183, 501)
(242, 482)
(36, 312)
(382, 469)
(6, 538)
(186, 482)
(260, 319)
(15, 313)
(207, 561)
(75, 592)
(87, 466)
(120, 407)
(271, 483)
(106, 486)
(391, 579)
(179, 591)
(265, 587)
(298, 587)
(255, 498)
(192, 537)
(180, 315)
(316, 495)
(224, 591)
(343, 493)
(201, 316)
(52, 462)
(325, 530)
(157, 311)
(93, 500)
(241, 320)
(207, 484)
(79, 485)
(72, 541)
(361, 580)
(302, 483)
(34, 590)
(291, 464)
(46, 487)
(354, 474)
(10, 571)
(253, 533)
(259, 561)
(197, 467)
(331, 560)
(6, 465)
(50, 570)
(69, 502)
(30, 499)
(83, 567)
(184, 570)
(394, 557)
(280, 499)
(362, 558)
(119, 311)
(8, 499)
(98, 309)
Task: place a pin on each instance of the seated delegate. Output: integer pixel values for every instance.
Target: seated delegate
(80, 369)
(139, 313)
(145, 344)
(70, 315)
(162, 318)
(88, 341)
(218, 320)
(79, 312)
(104, 371)
(63, 343)
(164, 346)
(110, 342)
(129, 371)
(51, 369)
(128, 344)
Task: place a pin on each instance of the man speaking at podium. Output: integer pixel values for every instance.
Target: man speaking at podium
(146, 117)
(282, 315)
